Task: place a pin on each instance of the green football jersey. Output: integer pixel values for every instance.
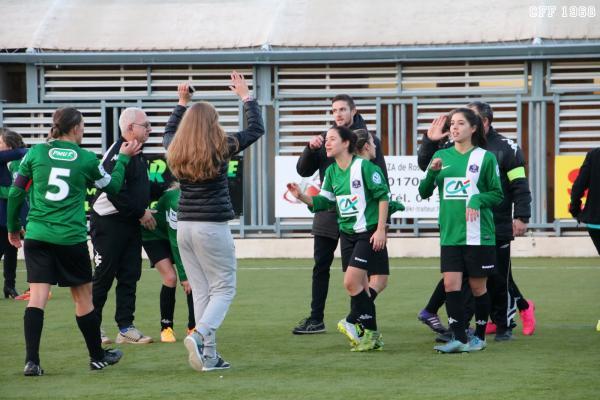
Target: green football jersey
(466, 180)
(166, 226)
(60, 171)
(355, 192)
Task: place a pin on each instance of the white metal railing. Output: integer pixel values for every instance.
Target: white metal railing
(122, 82)
(573, 76)
(579, 126)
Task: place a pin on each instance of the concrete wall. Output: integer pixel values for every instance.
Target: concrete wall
(580, 246)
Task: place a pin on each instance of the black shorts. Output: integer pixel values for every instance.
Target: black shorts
(358, 252)
(67, 265)
(474, 261)
(157, 250)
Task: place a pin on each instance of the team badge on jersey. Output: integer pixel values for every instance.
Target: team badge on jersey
(356, 184)
(456, 188)
(62, 154)
(474, 168)
(347, 205)
(171, 216)
(376, 178)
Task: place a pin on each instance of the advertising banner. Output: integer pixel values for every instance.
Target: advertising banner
(404, 177)
(566, 171)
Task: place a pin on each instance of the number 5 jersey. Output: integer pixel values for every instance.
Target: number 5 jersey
(60, 172)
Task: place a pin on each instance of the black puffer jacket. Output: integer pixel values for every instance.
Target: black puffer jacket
(325, 222)
(588, 179)
(512, 177)
(209, 200)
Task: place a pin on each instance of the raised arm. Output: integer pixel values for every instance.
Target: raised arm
(309, 161)
(112, 183)
(255, 128)
(184, 98)
(431, 141)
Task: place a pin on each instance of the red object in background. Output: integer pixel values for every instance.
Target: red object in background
(311, 190)
(572, 177)
(308, 186)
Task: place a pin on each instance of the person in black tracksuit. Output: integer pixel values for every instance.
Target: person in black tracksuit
(506, 296)
(325, 228)
(115, 230)
(588, 179)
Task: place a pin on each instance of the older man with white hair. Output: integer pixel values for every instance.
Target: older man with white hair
(116, 222)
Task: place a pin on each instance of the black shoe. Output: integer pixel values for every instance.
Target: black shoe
(504, 336)
(32, 369)
(111, 357)
(308, 326)
(10, 291)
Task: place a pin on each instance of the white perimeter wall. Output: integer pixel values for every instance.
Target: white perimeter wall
(580, 246)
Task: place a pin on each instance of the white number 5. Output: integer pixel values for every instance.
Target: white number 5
(54, 180)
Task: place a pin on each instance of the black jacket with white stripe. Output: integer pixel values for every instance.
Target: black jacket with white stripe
(131, 202)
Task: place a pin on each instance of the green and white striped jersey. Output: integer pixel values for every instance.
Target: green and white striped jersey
(466, 180)
(355, 192)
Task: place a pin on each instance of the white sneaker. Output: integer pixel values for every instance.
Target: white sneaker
(105, 339)
(134, 336)
(195, 346)
(350, 331)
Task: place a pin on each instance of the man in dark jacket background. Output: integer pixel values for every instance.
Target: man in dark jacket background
(115, 230)
(510, 218)
(325, 228)
(588, 179)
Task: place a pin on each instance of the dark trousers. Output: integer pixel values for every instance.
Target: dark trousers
(504, 292)
(10, 258)
(595, 235)
(324, 247)
(117, 254)
(498, 285)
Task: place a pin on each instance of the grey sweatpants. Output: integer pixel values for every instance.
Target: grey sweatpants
(208, 256)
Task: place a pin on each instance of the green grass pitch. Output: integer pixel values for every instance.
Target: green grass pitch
(561, 361)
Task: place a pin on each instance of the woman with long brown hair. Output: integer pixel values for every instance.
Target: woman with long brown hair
(198, 155)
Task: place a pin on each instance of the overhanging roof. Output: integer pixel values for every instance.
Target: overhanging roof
(248, 26)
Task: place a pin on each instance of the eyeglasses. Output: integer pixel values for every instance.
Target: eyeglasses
(145, 126)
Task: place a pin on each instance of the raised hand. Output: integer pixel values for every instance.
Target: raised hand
(183, 92)
(239, 85)
(316, 142)
(436, 132)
